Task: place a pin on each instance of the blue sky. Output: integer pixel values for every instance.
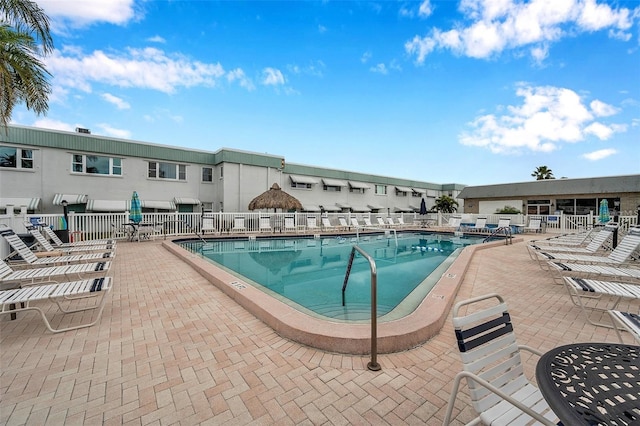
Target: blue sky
(471, 92)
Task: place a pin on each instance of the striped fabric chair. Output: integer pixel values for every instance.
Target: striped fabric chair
(500, 392)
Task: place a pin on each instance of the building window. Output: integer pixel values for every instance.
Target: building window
(171, 171)
(207, 174)
(221, 172)
(416, 194)
(332, 188)
(381, 189)
(96, 165)
(356, 190)
(300, 185)
(401, 193)
(16, 158)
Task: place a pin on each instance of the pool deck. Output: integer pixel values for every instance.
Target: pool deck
(171, 348)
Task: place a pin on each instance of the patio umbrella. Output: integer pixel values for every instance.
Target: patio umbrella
(423, 207)
(604, 211)
(135, 212)
(275, 198)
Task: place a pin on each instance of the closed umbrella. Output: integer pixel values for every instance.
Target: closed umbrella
(603, 217)
(135, 212)
(423, 207)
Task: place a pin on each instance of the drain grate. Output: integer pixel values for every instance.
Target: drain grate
(449, 275)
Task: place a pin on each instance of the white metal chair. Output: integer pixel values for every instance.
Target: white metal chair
(500, 392)
(264, 224)
(19, 300)
(626, 321)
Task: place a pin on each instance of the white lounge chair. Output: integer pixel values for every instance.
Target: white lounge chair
(592, 271)
(343, 223)
(594, 245)
(381, 222)
(326, 224)
(367, 222)
(312, 223)
(535, 225)
(355, 223)
(454, 223)
(238, 224)
(626, 321)
(9, 276)
(583, 290)
(479, 226)
(500, 392)
(20, 299)
(618, 256)
(290, 224)
(390, 222)
(30, 259)
(57, 242)
(46, 245)
(264, 224)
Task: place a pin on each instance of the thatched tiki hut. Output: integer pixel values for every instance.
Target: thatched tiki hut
(275, 198)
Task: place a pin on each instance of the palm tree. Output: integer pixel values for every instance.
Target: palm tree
(445, 204)
(542, 173)
(24, 39)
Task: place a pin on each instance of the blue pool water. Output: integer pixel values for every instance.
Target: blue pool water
(308, 273)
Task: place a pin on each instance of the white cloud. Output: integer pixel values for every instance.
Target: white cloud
(492, 26)
(365, 57)
(48, 123)
(108, 130)
(601, 109)
(157, 39)
(600, 154)
(118, 102)
(547, 117)
(147, 68)
(380, 69)
(425, 9)
(322, 29)
(239, 76)
(272, 77)
(76, 14)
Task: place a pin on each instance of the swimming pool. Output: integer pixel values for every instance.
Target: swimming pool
(308, 273)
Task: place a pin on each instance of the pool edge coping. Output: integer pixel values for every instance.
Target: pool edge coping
(392, 336)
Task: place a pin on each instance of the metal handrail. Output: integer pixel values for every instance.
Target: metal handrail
(507, 233)
(373, 364)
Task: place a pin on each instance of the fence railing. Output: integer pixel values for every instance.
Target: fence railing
(91, 226)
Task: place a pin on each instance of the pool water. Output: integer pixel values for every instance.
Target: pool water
(308, 273)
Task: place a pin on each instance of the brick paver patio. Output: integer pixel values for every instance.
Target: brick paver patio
(173, 349)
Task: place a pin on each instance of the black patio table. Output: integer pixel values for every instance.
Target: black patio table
(592, 383)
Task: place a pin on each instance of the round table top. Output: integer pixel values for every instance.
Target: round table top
(592, 383)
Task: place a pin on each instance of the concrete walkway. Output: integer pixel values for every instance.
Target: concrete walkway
(173, 349)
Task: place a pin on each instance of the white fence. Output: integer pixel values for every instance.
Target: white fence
(91, 226)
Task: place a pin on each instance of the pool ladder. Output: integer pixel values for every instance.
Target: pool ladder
(373, 364)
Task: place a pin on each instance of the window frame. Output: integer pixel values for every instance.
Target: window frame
(160, 169)
(114, 164)
(380, 189)
(209, 175)
(20, 159)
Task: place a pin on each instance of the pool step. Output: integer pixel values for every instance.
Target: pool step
(352, 310)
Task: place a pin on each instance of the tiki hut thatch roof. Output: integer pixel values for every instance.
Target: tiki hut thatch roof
(275, 198)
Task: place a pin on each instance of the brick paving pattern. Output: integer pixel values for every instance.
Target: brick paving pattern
(173, 349)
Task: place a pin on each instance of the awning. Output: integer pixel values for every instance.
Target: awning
(17, 203)
(331, 208)
(361, 209)
(303, 179)
(333, 182)
(162, 205)
(107, 205)
(310, 208)
(180, 200)
(343, 206)
(359, 185)
(71, 199)
(374, 207)
(403, 189)
(404, 209)
(414, 208)
(419, 191)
